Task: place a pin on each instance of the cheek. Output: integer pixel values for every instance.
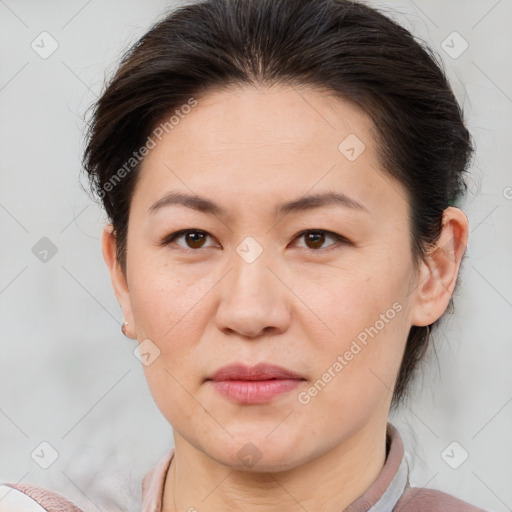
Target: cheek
(165, 301)
(169, 309)
(170, 320)
(360, 351)
(168, 389)
(350, 301)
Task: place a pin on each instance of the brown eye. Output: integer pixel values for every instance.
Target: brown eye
(194, 238)
(314, 239)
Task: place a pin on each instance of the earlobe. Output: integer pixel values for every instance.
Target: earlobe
(438, 274)
(118, 278)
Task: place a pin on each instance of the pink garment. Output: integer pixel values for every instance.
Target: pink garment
(46, 498)
(389, 492)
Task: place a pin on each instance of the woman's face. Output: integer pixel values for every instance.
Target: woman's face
(247, 287)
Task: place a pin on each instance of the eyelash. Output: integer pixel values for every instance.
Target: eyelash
(169, 239)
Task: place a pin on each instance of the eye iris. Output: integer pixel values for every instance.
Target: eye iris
(318, 239)
(195, 238)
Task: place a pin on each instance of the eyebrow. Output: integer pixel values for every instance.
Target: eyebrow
(205, 205)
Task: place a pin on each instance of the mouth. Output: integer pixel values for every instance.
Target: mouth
(254, 384)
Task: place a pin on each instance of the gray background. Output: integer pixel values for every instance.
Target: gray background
(67, 375)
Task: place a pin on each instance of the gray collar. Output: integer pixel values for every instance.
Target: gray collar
(396, 488)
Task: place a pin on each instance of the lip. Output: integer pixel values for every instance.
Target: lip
(254, 384)
(260, 371)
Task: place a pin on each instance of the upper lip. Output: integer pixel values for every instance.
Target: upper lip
(261, 371)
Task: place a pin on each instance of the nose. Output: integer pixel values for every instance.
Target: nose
(254, 301)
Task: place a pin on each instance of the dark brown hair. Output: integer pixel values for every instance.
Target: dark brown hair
(345, 48)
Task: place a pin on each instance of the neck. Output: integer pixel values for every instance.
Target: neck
(329, 482)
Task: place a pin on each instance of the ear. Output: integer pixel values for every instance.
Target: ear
(118, 278)
(438, 274)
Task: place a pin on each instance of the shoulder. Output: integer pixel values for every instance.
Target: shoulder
(416, 499)
(31, 498)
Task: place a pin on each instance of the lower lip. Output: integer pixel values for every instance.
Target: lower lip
(254, 391)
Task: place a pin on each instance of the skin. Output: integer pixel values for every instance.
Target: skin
(300, 304)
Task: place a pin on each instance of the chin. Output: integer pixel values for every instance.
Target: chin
(257, 452)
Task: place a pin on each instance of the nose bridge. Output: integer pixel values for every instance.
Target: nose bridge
(251, 279)
(252, 298)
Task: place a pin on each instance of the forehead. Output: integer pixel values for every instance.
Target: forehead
(273, 115)
(263, 143)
